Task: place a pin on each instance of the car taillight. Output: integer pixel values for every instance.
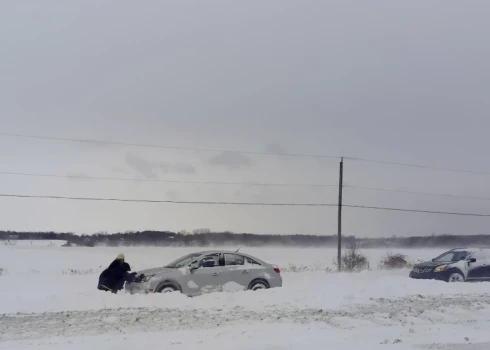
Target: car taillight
(277, 269)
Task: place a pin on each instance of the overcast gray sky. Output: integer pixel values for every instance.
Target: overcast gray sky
(398, 81)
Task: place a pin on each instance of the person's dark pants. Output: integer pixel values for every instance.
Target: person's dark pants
(119, 284)
(112, 287)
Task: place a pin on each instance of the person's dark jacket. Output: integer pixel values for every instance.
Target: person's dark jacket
(114, 276)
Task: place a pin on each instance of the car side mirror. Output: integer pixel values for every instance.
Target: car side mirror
(472, 260)
(194, 265)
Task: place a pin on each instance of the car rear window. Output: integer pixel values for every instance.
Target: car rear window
(251, 261)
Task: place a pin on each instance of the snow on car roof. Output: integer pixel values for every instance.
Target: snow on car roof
(219, 251)
(229, 252)
(464, 249)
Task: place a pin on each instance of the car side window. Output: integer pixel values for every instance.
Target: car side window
(251, 261)
(211, 260)
(479, 255)
(234, 259)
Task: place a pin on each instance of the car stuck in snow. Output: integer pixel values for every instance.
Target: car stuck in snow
(456, 265)
(210, 271)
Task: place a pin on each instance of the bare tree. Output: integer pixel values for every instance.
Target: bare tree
(393, 261)
(354, 260)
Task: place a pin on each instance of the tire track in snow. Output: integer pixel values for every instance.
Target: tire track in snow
(417, 309)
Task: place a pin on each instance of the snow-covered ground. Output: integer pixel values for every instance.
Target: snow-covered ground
(49, 300)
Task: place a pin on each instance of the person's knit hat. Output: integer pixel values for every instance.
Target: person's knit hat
(120, 256)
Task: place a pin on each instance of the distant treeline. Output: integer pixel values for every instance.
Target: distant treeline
(205, 237)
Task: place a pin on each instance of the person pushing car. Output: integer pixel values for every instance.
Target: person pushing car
(112, 279)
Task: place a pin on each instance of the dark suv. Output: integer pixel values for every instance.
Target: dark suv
(456, 265)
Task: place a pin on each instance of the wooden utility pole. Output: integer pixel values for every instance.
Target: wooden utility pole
(339, 222)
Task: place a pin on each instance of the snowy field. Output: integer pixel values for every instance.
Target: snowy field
(49, 300)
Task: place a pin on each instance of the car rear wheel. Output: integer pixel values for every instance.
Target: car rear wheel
(455, 277)
(168, 289)
(258, 285)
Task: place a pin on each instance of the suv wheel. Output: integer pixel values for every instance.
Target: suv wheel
(455, 277)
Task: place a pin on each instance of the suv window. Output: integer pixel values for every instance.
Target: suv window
(478, 255)
(451, 256)
(211, 260)
(234, 259)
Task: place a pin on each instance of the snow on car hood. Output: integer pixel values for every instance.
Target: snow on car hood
(155, 271)
(430, 264)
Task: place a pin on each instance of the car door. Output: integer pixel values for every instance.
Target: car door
(238, 273)
(208, 277)
(478, 269)
(486, 269)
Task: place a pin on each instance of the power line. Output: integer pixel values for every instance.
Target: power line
(284, 154)
(417, 192)
(87, 177)
(167, 147)
(265, 184)
(240, 204)
(415, 210)
(170, 201)
(418, 166)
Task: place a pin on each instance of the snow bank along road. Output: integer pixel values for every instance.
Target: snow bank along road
(45, 306)
(403, 323)
(383, 312)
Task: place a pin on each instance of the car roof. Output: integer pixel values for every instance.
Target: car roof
(217, 251)
(465, 249)
(229, 252)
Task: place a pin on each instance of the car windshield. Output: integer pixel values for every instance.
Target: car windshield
(183, 261)
(451, 257)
